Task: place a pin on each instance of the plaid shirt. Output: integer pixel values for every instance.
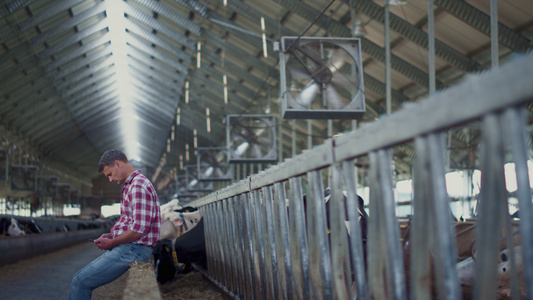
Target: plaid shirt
(139, 210)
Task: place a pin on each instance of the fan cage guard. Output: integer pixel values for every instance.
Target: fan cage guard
(24, 177)
(63, 192)
(214, 176)
(270, 155)
(181, 189)
(199, 186)
(291, 109)
(47, 186)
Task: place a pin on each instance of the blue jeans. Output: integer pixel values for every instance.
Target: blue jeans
(106, 268)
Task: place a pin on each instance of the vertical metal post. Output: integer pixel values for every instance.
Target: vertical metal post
(299, 244)
(420, 279)
(376, 234)
(493, 194)
(318, 240)
(280, 137)
(388, 88)
(431, 47)
(270, 243)
(494, 39)
(309, 134)
(244, 267)
(283, 245)
(516, 120)
(259, 247)
(221, 244)
(391, 225)
(229, 244)
(357, 252)
(293, 138)
(384, 248)
(249, 248)
(340, 264)
(446, 251)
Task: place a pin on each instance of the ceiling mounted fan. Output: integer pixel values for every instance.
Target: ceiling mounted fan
(213, 164)
(251, 138)
(321, 78)
(193, 184)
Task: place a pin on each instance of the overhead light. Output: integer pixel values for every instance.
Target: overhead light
(187, 152)
(208, 119)
(172, 133)
(225, 82)
(263, 35)
(195, 139)
(178, 117)
(187, 91)
(199, 55)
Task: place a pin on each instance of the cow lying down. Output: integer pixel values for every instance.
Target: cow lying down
(182, 243)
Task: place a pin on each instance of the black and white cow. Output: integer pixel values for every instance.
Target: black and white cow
(182, 242)
(171, 256)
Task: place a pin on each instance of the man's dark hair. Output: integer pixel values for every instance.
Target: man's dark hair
(109, 157)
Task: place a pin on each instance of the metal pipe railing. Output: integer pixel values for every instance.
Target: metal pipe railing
(265, 242)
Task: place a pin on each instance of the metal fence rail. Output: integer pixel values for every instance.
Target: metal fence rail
(265, 242)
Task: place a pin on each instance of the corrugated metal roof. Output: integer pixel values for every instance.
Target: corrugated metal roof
(60, 86)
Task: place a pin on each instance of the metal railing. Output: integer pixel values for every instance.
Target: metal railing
(263, 243)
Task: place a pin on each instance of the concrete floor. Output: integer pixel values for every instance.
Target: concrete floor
(46, 276)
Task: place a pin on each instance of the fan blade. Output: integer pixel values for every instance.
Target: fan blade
(239, 151)
(308, 94)
(219, 173)
(299, 74)
(192, 183)
(208, 171)
(264, 141)
(257, 151)
(257, 132)
(334, 101)
(221, 156)
(336, 59)
(343, 81)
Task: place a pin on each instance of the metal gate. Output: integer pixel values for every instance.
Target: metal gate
(262, 243)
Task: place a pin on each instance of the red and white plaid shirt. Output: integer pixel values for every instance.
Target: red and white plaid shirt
(139, 210)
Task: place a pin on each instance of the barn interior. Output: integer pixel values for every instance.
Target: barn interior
(162, 80)
(212, 99)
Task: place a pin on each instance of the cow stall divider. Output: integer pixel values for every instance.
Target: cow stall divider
(260, 247)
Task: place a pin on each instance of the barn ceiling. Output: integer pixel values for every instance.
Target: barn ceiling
(80, 77)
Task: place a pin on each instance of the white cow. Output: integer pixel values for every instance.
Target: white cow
(175, 222)
(14, 229)
(169, 207)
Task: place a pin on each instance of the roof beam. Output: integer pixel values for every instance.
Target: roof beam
(481, 21)
(417, 35)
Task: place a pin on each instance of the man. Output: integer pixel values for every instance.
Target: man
(133, 235)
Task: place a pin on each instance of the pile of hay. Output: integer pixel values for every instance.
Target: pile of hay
(191, 286)
(141, 283)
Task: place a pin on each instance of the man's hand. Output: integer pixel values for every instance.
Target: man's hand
(106, 236)
(104, 243)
